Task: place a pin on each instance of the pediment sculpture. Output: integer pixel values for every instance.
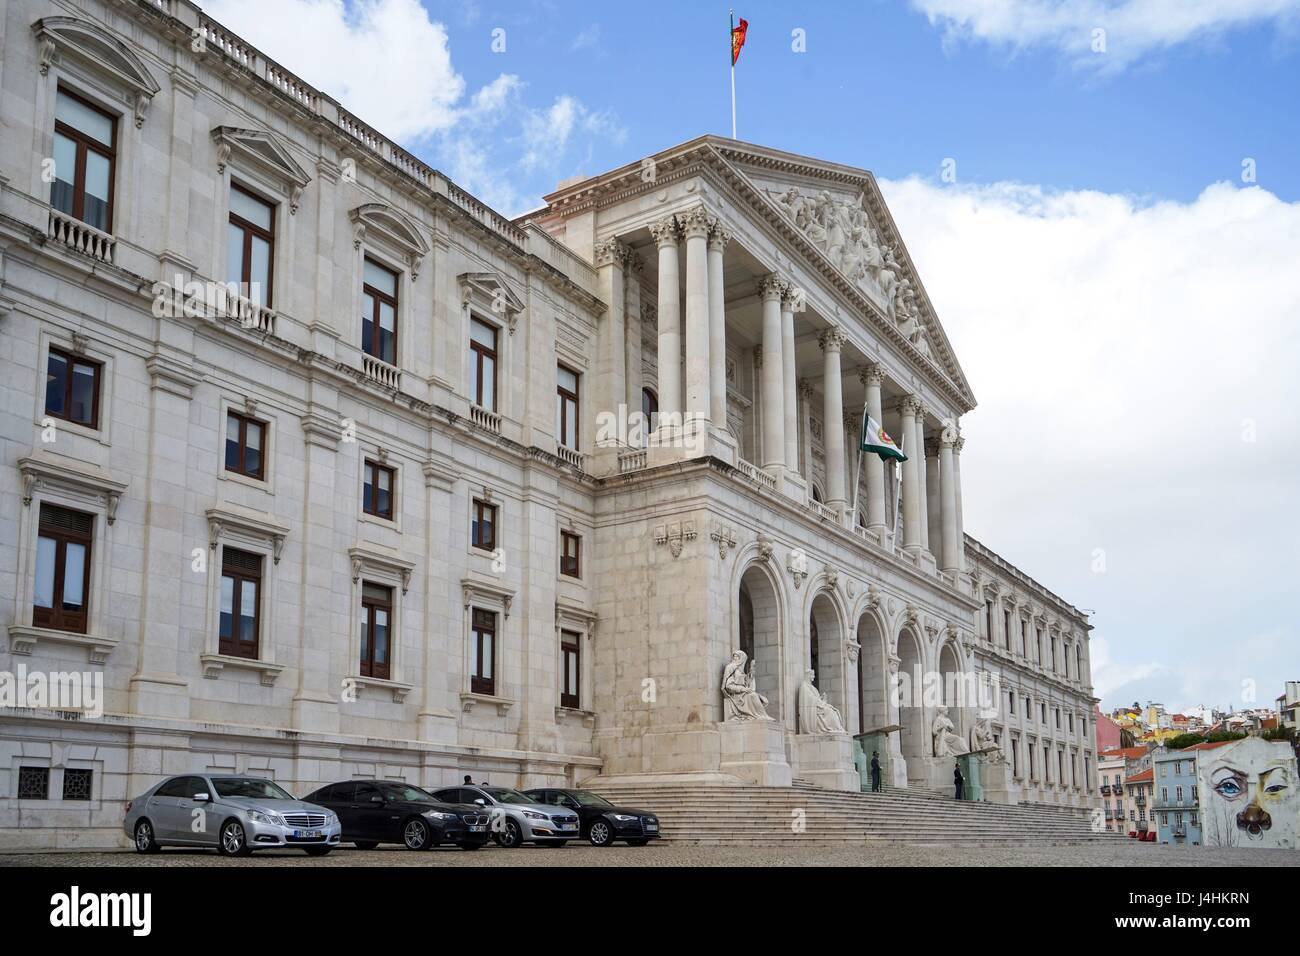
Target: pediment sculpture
(844, 232)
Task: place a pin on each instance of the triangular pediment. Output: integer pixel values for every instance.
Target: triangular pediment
(840, 215)
(81, 40)
(264, 151)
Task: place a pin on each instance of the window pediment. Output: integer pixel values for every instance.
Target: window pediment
(393, 227)
(264, 153)
(93, 47)
(80, 479)
(491, 293)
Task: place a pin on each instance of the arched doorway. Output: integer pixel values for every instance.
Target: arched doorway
(952, 686)
(914, 737)
(873, 676)
(824, 650)
(758, 623)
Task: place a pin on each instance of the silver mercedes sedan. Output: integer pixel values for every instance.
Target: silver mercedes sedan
(237, 815)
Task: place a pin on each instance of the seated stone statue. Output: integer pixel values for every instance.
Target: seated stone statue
(947, 742)
(816, 714)
(981, 740)
(740, 699)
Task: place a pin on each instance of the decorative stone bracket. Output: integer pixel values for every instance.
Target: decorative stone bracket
(219, 522)
(725, 538)
(675, 534)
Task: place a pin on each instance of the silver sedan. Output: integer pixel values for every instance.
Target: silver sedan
(516, 818)
(234, 814)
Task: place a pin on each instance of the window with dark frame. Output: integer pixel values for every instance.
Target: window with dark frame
(650, 411)
(240, 608)
(245, 445)
(483, 354)
(72, 388)
(376, 630)
(77, 783)
(33, 783)
(483, 527)
(63, 546)
(250, 241)
(483, 652)
(379, 312)
(570, 554)
(570, 653)
(85, 154)
(566, 411)
(377, 497)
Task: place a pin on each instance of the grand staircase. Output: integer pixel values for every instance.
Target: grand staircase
(766, 816)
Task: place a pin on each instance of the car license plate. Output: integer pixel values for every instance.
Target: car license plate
(478, 828)
(568, 826)
(307, 834)
(652, 826)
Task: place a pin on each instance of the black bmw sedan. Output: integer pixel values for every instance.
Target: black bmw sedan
(384, 811)
(602, 822)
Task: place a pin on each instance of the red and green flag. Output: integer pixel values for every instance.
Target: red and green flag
(737, 38)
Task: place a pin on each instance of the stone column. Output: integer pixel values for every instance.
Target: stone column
(932, 531)
(953, 560)
(911, 409)
(669, 360)
(611, 387)
(790, 383)
(831, 342)
(917, 440)
(771, 289)
(872, 377)
(956, 479)
(695, 227)
(805, 391)
(632, 332)
(718, 239)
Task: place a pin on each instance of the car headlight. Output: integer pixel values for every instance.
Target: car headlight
(265, 816)
(623, 817)
(439, 815)
(533, 815)
(331, 818)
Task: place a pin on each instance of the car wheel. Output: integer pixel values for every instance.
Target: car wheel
(144, 838)
(510, 835)
(601, 833)
(637, 842)
(233, 841)
(416, 834)
(365, 844)
(318, 850)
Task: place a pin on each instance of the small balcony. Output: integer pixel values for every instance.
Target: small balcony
(381, 373)
(755, 474)
(1105, 790)
(485, 419)
(570, 456)
(81, 237)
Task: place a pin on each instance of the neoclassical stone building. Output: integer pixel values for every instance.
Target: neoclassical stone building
(328, 469)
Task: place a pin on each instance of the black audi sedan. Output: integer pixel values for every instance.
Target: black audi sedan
(384, 811)
(602, 822)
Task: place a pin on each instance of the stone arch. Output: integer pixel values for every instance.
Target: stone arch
(914, 738)
(758, 604)
(873, 673)
(951, 685)
(824, 639)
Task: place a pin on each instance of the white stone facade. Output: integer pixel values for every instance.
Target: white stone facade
(702, 281)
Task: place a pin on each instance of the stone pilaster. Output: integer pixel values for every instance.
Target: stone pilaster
(790, 382)
(611, 387)
(696, 225)
(718, 239)
(953, 559)
(911, 408)
(873, 376)
(635, 381)
(932, 529)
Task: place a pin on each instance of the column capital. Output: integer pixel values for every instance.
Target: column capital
(632, 261)
(805, 388)
(957, 445)
(771, 286)
(932, 446)
(947, 438)
(832, 339)
(872, 374)
(610, 252)
(791, 297)
(696, 222)
(665, 232)
(719, 236)
(911, 405)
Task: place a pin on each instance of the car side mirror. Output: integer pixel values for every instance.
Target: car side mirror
(203, 797)
(481, 802)
(376, 799)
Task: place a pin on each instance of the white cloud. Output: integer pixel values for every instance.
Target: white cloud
(587, 38)
(1132, 28)
(1122, 351)
(390, 64)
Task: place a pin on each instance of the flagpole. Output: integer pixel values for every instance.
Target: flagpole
(897, 496)
(857, 482)
(732, 56)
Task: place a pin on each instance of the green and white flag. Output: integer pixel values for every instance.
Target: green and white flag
(876, 439)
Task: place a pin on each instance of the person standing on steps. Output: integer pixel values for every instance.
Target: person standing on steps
(875, 771)
(957, 779)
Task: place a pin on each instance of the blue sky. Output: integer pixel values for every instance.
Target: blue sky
(1122, 300)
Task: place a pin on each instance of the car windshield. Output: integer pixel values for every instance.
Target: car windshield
(248, 787)
(407, 793)
(506, 795)
(586, 798)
